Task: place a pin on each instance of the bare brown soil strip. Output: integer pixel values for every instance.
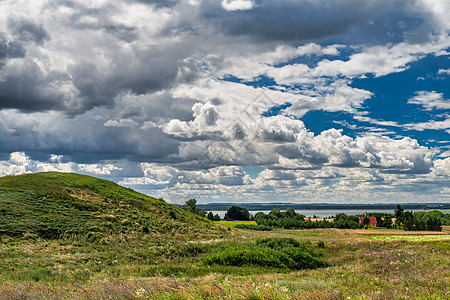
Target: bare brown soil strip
(445, 230)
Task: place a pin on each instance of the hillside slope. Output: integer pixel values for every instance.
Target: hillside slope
(56, 205)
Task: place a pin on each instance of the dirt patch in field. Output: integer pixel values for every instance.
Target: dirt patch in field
(445, 230)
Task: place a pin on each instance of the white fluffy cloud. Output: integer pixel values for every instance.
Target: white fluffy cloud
(98, 169)
(442, 167)
(20, 163)
(430, 100)
(232, 5)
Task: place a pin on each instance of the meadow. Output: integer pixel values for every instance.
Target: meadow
(69, 236)
(361, 266)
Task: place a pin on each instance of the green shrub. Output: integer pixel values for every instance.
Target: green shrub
(281, 243)
(274, 253)
(253, 227)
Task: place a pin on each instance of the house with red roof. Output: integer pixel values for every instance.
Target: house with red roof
(372, 221)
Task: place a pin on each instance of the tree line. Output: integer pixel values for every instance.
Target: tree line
(289, 219)
(429, 221)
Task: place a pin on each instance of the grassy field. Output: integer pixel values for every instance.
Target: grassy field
(67, 236)
(361, 267)
(234, 223)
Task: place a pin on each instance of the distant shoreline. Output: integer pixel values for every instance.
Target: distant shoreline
(324, 206)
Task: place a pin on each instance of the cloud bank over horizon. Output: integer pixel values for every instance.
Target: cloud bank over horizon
(286, 101)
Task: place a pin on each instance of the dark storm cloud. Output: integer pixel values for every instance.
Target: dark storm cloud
(154, 68)
(293, 20)
(157, 3)
(122, 32)
(9, 50)
(26, 87)
(149, 69)
(83, 138)
(305, 153)
(100, 20)
(396, 24)
(28, 30)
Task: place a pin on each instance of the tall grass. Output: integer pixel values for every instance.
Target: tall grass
(360, 267)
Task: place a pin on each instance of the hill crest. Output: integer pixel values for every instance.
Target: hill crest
(54, 205)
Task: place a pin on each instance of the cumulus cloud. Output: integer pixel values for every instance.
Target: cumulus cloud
(377, 60)
(333, 148)
(297, 147)
(98, 169)
(227, 183)
(438, 11)
(17, 164)
(21, 163)
(231, 5)
(175, 183)
(120, 123)
(430, 100)
(79, 67)
(441, 167)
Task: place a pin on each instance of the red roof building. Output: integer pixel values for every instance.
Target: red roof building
(372, 221)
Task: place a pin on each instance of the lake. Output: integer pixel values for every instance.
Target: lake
(322, 213)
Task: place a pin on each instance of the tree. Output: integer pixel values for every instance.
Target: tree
(236, 212)
(191, 205)
(433, 222)
(212, 217)
(408, 220)
(259, 217)
(276, 212)
(340, 217)
(290, 213)
(398, 215)
(366, 222)
(386, 222)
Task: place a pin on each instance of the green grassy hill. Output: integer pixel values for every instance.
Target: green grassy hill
(55, 205)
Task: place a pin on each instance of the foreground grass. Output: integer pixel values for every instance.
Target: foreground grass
(361, 267)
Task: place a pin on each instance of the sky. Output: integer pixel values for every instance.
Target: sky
(302, 101)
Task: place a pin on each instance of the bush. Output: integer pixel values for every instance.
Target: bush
(277, 253)
(253, 227)
(212, 217)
